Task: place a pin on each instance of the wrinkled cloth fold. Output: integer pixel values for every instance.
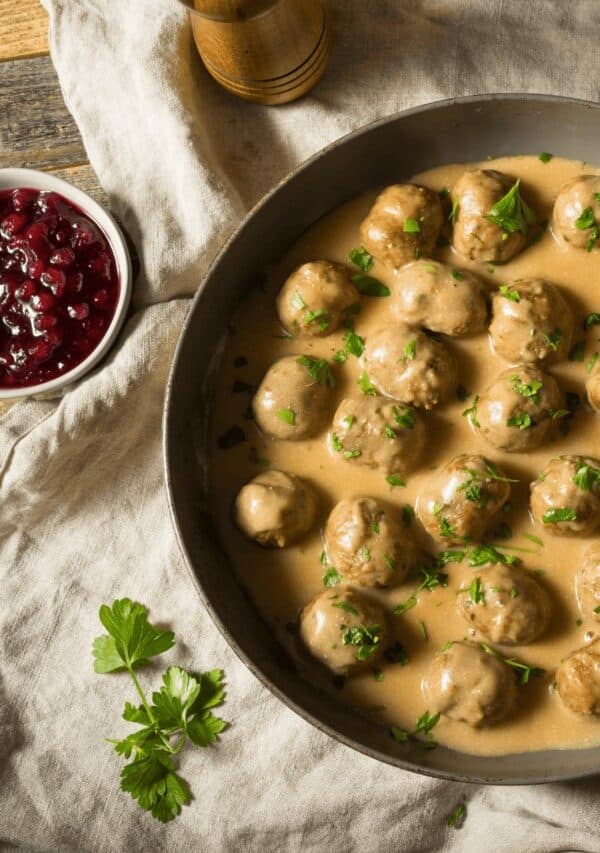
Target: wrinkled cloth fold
(83, 510)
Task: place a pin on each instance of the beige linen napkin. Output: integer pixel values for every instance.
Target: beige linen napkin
(83, 514)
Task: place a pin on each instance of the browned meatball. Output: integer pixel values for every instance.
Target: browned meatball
(410, 366)
(462, 499)
(592, 387)
(403, 224)
(531, 321)
(465, 683)
(587, 584)
(506, 605)
(314, 299)
(578, 680)
(478, 232)
(439, 297)
(378, 433)
(368, 544)
(576, 214)
(519, 410)
(293, 398)
(344, 630)
(565, 498)
(275, 508)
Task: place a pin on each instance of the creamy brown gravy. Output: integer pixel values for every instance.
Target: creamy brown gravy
(282, 581)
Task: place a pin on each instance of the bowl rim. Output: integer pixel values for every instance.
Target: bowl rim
(306, 715)
(14, 178)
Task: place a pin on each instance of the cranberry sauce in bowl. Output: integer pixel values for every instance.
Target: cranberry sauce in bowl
(59, 287)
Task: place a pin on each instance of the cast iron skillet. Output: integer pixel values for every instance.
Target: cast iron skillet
(389, 151)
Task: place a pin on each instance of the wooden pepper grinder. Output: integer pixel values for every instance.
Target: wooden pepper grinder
(266, 51)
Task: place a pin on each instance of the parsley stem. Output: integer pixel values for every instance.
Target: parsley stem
(138, 687)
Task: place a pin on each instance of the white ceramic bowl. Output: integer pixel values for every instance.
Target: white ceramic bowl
(13, 178)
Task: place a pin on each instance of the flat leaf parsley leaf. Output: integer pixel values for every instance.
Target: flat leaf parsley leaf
(511, 213)
(180, 710)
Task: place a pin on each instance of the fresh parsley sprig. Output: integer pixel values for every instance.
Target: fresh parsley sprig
(179, 711)
(511, 213)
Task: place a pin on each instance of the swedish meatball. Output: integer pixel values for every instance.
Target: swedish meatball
(510, 605)
(477, 233)
(410, 366)
(587, 584)
(439, 297)
(531, 321)
(576, 213)
(404, 223)
(578, 680)
(462, 499)
(314, 299)
(275, 508)
(292, 400)
(344, 630)
(465, 683)
(367, 544)
(592, 387)
(378, 433)
(565, 498)
(516, 413)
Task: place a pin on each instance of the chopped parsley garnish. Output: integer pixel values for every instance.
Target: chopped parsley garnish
(456, 274)
(450, 556)
(481, 555)
(522, 421)
(527, 389)
(389, 431)
(514, 592)
(597, 609)
(349, 420)
(459, 811)
(446, 529)
(361, 259)
(378, 675)
(474, 493)
(476, 591)
(352, 454)
(318, 369)
(545, 156)
(408, 513)
(355, 345)
(509, 292)
(399, 735)
(592, 319)
(454, 211)
(424, 725)
(367, 640)
(396, 654)
(577, 352)
(340, 357)
(331, 577)
(320, 315)
(511, 213)
(288, 416)
(533, 538)
(471, 412)
(345, 605)
(557, 414)
(365, 554)
(587, 222)
(366, 386)
(555, 516)
(525, 671)
(336, 443)
(591, 362)
(423, 630)
(369, 286)
(554, 339)
(410, 350)
(375, 527)
(411, 226)
(404, 417)
(587, 477)
(395, 480)
(432, 578)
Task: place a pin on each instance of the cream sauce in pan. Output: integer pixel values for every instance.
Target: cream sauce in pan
(282, 581)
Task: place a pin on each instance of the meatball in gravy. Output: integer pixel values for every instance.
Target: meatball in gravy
(578, 680)
(465, 683)
(592, 387)
(518, 411)
(440, 298)
(344, 630)
(565, 499)
(531, 321)
(576, 214)
(315, 298)
(462, 499)
(293, 399)
(403, 224)
(378, 433)
(368, 544)
(587, 584)
(480, 234)
(275, 508)
(410, 366)
(510, 606)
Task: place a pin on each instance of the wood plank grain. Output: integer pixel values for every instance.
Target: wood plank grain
(23, 29)
(85, 178)
(36, 129)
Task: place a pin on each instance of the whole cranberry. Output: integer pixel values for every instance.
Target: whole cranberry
(100, 265)
(23, 198)
(12, 224)
(84, 235)
(41, 351)
(63, 258)
(44, 322)
(74, 282)
(26, 290)
(55, 280)
(35, 268)
(100, 299)
(54, 337)
(42, 301)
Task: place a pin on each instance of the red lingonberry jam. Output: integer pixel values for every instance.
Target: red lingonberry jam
(58, 286)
